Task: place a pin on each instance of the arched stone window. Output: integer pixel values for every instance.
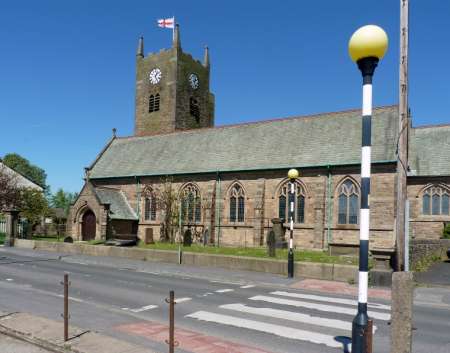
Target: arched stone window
(299, 202)
(149, 205)
(435, 200)
(348, 202)
(237, 204)
(191, 204)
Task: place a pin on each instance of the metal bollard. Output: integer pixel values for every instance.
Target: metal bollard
(369, 336)
(171, 342)
(66, 307)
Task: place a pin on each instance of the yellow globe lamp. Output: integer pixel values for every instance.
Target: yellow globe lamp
(368, 41)
(293, 174)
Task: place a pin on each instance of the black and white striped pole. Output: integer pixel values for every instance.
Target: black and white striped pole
(366, 47)
(292, 175)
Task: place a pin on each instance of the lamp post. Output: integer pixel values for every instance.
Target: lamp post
(366, 47)
(292, 175)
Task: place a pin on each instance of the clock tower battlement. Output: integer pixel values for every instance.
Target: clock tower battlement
(172, 91)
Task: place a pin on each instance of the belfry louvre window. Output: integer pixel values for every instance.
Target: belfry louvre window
(153, 103)
(194, 109)
(435, 201)
(190, 204)
(237, 204)
(348, 199)
(299, 202)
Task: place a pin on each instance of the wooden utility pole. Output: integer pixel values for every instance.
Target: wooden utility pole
(402, 145)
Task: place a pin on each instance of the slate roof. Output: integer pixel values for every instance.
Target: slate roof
(119, 206)
(316, 140)
(21, 180)
(430, 150)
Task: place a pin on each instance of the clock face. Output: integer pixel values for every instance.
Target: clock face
(155, 76)
(193, 81)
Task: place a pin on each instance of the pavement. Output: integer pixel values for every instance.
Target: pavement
(217, 310)
(13, 345)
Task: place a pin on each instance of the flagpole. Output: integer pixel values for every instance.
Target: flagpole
(173, 28)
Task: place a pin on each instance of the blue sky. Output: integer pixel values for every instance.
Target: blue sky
(67, 67)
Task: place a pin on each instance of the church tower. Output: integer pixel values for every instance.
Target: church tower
(172, 91)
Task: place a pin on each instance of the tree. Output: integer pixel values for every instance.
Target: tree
(23, 166)
(63, 199)
(33, 205)
(9, 191)
(168, 203)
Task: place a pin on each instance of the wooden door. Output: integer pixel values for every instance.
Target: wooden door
(88, 226)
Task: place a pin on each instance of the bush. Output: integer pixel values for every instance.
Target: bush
(446, 232)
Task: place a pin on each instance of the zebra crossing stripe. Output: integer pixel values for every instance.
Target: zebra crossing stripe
(181, 300)
(320, 307)
(144, 308)
(282, 331)
(291, 316)
(329, 299)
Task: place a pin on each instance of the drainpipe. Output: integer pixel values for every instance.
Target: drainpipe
(218, 207)
(329, 206)
(138, 197)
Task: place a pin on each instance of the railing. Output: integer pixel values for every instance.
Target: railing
(20, 227)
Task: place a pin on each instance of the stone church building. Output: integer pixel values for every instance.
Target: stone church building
(232, 179)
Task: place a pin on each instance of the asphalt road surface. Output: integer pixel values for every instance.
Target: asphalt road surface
(246, 312)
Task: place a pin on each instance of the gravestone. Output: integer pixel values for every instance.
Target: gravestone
(279, 230)
(205, 236)
(187, 238)
(148, 237)
(271, 243)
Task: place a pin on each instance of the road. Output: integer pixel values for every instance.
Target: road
(217, 311)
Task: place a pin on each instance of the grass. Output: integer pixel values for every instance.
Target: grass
(281, 254)
(52, 238)
(2, 238)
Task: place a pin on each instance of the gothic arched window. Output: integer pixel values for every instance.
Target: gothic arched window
(299, 202)
(237, 204)
(190, 204)
(435, 201)
(348, 203)
(150, 205)
(194, 109)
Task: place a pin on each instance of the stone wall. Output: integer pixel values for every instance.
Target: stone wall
(262, 189)
(423, 248)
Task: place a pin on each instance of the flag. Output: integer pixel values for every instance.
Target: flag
(167, 22)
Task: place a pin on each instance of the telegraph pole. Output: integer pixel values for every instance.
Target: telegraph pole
(402, 145)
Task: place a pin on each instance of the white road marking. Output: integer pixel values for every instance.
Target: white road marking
(72, 298)
(320, 307)
(288, 315)
(144, 308)
(330, 299)
(207, 293)
(225, 282)
(247, 286)
(181, 300)
(278, 330)
(224, 290)
(9, 279)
